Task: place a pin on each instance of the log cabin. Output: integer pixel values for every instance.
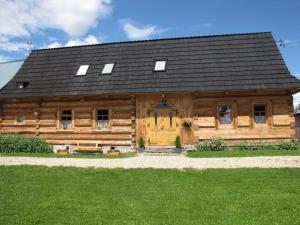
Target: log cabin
(235, 86)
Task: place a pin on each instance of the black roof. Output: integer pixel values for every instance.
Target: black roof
(204, 63)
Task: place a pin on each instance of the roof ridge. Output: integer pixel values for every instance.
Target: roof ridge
(156, 39)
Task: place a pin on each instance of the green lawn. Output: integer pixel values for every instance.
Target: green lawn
(51, 155)
(42, 195)
(241, 153)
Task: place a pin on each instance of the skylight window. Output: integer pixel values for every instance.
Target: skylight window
(160, 65)
(108, 68)
(22, 85)
(82, 70)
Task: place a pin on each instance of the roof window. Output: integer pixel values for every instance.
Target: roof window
(82, 70)
(160, 65)
(22, 85)
(108, 68)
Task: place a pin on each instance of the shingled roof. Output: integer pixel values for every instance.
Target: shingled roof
(204, 63)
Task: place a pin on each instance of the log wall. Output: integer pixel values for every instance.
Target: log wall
(42, 118)
(128, 116)
(280, 118)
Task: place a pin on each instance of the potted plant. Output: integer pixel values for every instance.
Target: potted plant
(141, 143)
(187, 123)
(178, 144)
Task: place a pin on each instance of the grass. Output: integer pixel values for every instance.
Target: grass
(242, 153)
(42, 195)
(52, 155)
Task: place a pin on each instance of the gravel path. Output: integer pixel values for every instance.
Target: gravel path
(171, 162)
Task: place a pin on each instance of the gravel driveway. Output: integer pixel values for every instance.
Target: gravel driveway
(170, 162)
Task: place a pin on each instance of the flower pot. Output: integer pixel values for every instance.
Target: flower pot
(140, 149)
(178, 150)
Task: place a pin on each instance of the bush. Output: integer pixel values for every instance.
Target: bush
(178, 142)
(18, 143)
(254, 146)
(141, 142)
(266, 146)
(244, 146)
(288, 146)
(212, 144)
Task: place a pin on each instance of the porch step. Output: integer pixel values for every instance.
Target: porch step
(163, 150)
(158, 154)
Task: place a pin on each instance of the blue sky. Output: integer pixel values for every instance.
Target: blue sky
(54, 23)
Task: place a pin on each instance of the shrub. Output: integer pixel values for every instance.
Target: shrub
(244, 146)
(288, 146)
(212, 144)
(18, 143)
(255, 146)
(141, 142)
(265, 146)
(178, 141)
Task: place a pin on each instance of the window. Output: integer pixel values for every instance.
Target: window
(20, 118)
(224, 114)
(82, 70)
(155, 118)
(66, 119)
(160, 66)
(260, 114)
(108, 68)
(22, 85)
(102, 119)
(171, 119)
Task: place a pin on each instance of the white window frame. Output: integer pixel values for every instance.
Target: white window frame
(61, 127)
(160, 65)
(82, 70)
(230, 113)
(108, 68)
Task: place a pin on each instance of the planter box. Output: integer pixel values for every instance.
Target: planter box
(113, 153)
(62, 152)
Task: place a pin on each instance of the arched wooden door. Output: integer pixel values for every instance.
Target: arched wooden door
(162, 127)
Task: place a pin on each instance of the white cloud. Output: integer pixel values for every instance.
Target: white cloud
(4, 58)
(135, 32)
(74, 17)
(11, 46)
(89, 40)
(54, 45)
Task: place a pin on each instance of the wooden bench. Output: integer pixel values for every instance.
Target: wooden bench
(88, 147)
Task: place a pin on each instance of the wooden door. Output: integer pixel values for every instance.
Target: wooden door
(162, 127)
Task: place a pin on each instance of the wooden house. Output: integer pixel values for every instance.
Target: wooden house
(235, 86)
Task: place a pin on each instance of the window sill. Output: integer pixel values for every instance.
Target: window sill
(20, 124)
(225, 126)
(65, 131)
(102, 130)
